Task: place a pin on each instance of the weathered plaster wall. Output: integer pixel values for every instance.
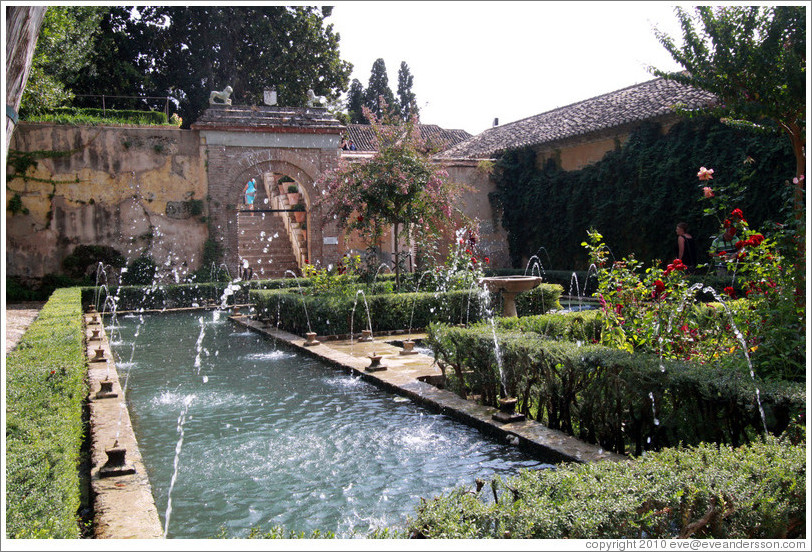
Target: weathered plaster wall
(576, 153)
(474, 203)
(119, 186)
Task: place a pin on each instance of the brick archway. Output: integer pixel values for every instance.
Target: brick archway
(253, 142)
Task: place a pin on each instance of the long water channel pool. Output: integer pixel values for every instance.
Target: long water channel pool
(271, 437)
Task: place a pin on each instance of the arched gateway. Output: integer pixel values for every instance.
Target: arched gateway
(276, 147)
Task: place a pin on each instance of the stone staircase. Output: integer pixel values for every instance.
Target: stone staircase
(265, 243)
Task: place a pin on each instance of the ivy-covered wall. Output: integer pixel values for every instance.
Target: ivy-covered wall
(636, 194)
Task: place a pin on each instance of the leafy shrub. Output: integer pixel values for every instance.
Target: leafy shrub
(752, 492)
(45, 377)
(86, 257)
(86, 115)
(140, 272)
(619, 400)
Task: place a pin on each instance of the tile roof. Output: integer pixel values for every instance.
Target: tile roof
(241, 117)
(640, 102)
(364, 139)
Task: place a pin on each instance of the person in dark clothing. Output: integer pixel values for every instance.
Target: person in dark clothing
(686, 247)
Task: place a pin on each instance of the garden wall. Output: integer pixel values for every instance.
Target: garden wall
(136, 189)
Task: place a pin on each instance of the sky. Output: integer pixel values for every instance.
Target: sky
(476, 61)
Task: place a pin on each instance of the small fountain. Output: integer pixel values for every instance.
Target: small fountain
(116, 464)
(510, 286)
(95, 335)
(408, 348)
(99, 356)
(366, 336)
(311, 339)
(507, 411)
(375, 364)
(106, 390)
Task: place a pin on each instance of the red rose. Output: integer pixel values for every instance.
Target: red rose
(730, 291)
(659, 288)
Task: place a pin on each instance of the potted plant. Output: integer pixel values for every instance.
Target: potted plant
(293, 194)
(283, 183)
(299, 212)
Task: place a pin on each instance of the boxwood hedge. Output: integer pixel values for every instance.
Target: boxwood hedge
(624, 402)
(338, 314)
(45, 392)
(751, 492)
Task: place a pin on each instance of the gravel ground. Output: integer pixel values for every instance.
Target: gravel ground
(18, 317)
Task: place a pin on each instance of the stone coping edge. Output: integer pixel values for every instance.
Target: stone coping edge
(546, 444)
(123, 504)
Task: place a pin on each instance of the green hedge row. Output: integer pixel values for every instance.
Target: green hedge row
(45, 392)
(122, 115)
(172, 296)
(297, 312)
(622, 402)
(756, 491)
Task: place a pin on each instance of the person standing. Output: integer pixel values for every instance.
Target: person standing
(686, 247)
(250, 191)
(723, 249)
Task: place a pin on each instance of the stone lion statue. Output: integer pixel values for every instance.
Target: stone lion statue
(313, 100)
(225, 96)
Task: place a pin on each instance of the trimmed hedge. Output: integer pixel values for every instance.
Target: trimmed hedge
(339, 314)
(606, 396)
(88, 115)
(45, 392)
(752, 492)
(172, 296)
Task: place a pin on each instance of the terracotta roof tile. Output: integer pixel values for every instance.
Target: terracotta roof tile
(648, 100)
(364, 139)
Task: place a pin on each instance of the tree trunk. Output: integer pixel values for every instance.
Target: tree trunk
(397, 258)
(22, 29)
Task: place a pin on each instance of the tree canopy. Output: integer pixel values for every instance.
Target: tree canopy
(399, 187)
(62, 52)
(406, 98)
(186, 52)
(753, 58)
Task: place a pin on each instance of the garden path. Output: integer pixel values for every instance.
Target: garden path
(17, 319)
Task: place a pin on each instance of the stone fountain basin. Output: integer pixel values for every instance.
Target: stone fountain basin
(511, 284)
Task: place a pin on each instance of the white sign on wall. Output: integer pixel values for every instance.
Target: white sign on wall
(330, 240)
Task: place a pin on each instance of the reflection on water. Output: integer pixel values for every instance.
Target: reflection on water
(276, 438)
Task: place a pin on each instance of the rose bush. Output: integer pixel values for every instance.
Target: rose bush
(656, 310)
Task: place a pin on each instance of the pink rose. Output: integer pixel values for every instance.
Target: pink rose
(707, 191)
(705, 174)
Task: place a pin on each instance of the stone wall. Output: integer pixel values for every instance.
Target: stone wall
(130, 188)
(162, 192)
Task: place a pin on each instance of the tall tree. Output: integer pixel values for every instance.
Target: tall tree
(398, 188)
(753, 58)
(406, 98)
(64, 43)
(117, 64)
(355, 102)
(186, 52)
(379, 88)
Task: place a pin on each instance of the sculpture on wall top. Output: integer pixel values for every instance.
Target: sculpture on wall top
(225, 96)
(313, 100)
